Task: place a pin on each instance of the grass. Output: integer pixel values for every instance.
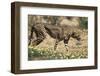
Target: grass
(49, 54)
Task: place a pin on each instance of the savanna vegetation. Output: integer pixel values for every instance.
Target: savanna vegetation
(45, 51)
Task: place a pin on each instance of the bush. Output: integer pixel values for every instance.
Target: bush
(84, 22)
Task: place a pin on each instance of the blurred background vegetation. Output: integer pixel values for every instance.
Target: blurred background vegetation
(84, 22)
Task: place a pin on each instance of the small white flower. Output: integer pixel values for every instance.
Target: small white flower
(32, 52)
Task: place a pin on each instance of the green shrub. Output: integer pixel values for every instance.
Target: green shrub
(84, 22)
